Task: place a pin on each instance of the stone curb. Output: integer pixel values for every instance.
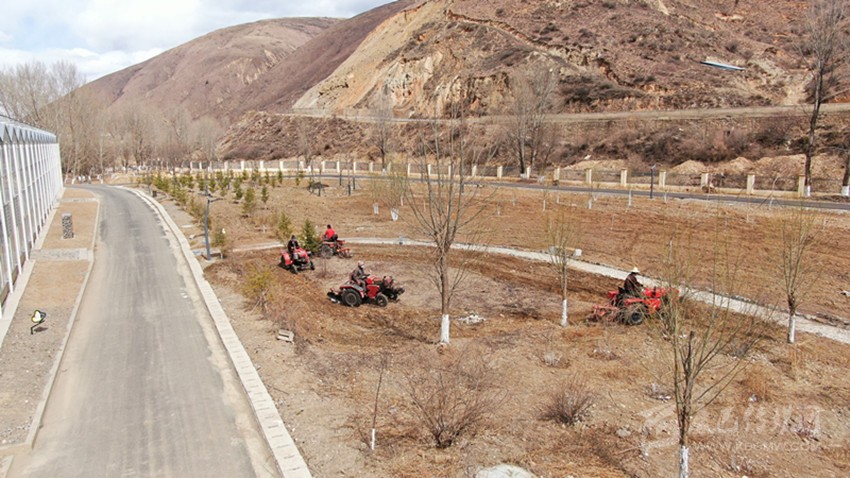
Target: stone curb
(290, 463)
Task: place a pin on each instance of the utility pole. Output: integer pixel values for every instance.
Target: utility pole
(652, 179)
(210, 200)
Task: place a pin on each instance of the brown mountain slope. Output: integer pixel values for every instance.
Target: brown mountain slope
(607, 55)
(283, 84)
(201, 74)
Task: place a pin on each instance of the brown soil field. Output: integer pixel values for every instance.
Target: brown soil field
(786, 414)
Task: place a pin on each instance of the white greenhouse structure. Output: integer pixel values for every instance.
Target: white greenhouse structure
(31, 184)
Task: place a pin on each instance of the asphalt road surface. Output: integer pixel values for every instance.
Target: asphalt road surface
(145, 388)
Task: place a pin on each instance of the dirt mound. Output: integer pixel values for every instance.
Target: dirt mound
(690, 167)
(737, 166)
(609, 164)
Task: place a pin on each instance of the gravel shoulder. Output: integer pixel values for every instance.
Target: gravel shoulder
(27, 361)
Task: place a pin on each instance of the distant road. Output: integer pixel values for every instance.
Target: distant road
(144, 388)
(757, 200)
(566, 118)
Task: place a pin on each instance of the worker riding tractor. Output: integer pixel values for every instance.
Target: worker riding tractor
(366, 288)
(332, 245)
(295, 258)
(633, 302)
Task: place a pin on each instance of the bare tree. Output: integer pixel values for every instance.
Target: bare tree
(140, 132)
(444, 208)
(562, 233)
(824, 44)
(382, 130)
(205, 134)
(530, 137)
(177, 144)
(79, 117)
(798, 230)
(703, 337)
(306, 149)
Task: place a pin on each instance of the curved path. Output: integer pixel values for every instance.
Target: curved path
(737, 304)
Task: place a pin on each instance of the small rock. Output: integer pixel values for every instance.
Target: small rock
(504, 471)
(623, 432)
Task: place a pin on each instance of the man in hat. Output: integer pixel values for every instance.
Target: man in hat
(358, 275)
(632, 286)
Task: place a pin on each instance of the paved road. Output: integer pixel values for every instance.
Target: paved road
(145, 388)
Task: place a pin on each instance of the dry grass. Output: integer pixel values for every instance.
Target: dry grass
(334, 343)
(757, 385)
(569, 403)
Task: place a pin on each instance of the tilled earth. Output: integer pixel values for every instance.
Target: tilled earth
(787, 411)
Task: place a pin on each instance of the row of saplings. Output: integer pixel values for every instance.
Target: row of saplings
(360, 287)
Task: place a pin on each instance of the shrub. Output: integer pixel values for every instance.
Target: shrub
(452, 394)
(283, 227)
(309, 239)
(196, 209)
(222, 242)
(257, 287)
(570, 403)
(249, 205)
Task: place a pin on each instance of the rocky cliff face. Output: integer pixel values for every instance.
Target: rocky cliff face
(608, 55)
(422, 58)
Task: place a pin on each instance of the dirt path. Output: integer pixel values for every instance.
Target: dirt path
(740, 305)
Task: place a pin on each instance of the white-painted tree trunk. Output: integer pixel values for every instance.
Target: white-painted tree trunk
(444, 329)
(845, 191)
(564, 320)
(808, 191)
(684, 472)
(792, 329)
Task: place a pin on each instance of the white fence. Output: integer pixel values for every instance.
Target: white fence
(30, 185)
(749, 184)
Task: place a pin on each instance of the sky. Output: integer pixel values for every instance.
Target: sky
(104, 36)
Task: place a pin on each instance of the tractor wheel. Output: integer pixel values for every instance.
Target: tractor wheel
(293, 268)
(634, 315)
(312, 266)
(345, 253)
(326, 251)
(381, 300)
(350, 298)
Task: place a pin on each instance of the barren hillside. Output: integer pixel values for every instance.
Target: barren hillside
(201, 74)
(420, 58)
(606, 55)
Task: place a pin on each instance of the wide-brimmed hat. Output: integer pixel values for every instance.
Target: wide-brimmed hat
(635, 270)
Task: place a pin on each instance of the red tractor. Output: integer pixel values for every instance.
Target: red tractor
(379, 290)
(300, 260)
(631, 310)
(334, 248)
